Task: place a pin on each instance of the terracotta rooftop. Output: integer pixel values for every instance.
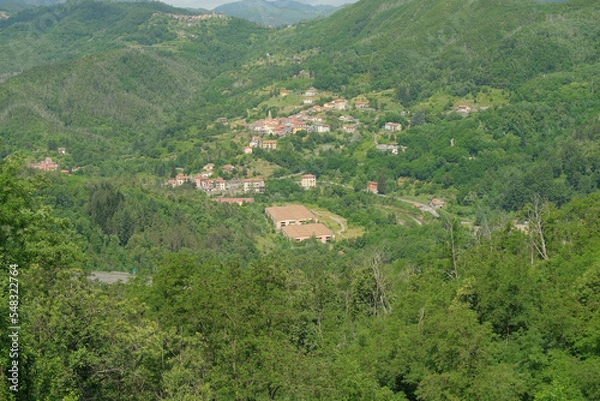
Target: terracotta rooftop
(306, 230)
(291, 212)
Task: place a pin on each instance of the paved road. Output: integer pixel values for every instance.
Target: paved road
(422, 206)
(340, 221)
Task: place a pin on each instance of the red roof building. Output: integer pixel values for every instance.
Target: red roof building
(372, 187)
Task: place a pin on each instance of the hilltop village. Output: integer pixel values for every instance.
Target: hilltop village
(266, 132)
(333, 117)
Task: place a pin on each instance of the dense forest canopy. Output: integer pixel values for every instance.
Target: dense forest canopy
(494, 112)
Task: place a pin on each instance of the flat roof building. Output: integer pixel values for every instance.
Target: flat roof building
(306, 231)
(291, 215)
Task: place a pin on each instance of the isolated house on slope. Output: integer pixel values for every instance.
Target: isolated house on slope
(308, 181)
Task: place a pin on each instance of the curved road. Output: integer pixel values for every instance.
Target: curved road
(423, 207)
(340, 221)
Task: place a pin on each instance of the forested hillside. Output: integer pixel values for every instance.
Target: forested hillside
(505, 321)
(454, 151)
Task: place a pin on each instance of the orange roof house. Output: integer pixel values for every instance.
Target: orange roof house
(372, 187)
(437, 203)
(47, 165)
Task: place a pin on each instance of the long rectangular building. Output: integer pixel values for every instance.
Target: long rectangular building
(306, 231)
(291, 215)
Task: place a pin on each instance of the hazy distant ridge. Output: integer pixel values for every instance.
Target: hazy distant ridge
(278, 12)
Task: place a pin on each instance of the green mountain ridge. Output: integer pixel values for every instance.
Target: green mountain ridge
(42, 35)
(474, 41)
(116, 84)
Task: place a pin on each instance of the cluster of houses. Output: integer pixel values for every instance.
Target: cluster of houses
(281, 126)
(219, 185)
(50, 165)
(338, 104)
(204, 181)
(394, 149)
(189, 19)
(45, 165)
(298, 223)
(306, 120)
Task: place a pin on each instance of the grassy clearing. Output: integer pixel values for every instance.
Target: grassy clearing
(337, 224)
(384, 100)
(262, 168)
(404, 216)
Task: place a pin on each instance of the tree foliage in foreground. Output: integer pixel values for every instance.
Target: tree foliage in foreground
(500, 321)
